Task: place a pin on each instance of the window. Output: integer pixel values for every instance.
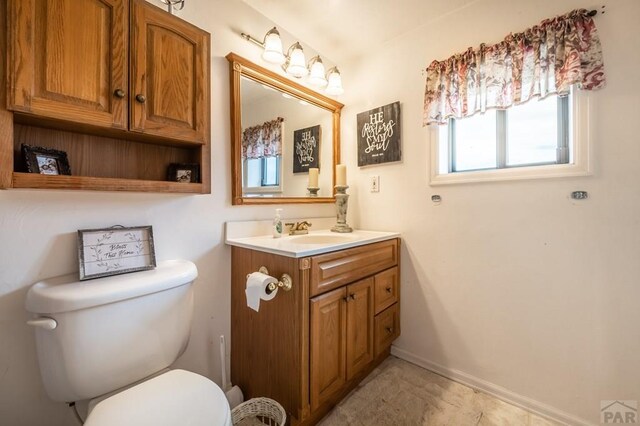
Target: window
(262, 174)
(535, 139)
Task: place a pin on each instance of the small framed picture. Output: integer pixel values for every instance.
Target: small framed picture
(184, 172)
(116, 250)
(45, 161)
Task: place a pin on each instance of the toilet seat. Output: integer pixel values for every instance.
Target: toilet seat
(177, 397)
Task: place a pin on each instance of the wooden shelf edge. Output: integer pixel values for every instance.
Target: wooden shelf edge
(37, 181)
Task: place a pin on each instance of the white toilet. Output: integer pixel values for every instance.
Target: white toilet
(102, 340)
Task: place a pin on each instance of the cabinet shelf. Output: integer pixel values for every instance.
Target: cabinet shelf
(38, 181)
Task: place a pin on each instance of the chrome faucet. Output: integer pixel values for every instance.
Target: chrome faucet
(299, 228)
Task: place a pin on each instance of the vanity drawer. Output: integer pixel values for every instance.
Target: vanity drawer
(332, 270)
(386, 289)
(386, 328)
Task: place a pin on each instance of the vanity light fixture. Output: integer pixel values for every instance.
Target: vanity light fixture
(294, 62)
(334, 86)
(317, 72)
(273, 47)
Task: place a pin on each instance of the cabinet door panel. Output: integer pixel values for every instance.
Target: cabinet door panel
(387, 328)
(359, 326)
(328, 323)
(68, 58)
(170, 78)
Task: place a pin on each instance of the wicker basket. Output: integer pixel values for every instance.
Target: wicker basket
(259, 412)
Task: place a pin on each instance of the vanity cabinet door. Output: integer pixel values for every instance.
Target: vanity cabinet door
(169, 75)
(359, 326)
(68, 60)
(328, 345)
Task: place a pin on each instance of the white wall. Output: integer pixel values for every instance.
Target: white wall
(38, 240)
(513, 284)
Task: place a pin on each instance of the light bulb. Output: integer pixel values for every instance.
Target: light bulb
(317, 72)
(334, 86)
(273, 47)
(297, 63)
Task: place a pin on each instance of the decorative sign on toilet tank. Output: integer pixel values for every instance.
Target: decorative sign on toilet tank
(379, 135)
(115, 250)
(306, 149)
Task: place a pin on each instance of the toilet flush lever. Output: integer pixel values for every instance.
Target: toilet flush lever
(44, 322)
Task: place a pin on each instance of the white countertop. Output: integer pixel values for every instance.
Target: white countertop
(316, 242)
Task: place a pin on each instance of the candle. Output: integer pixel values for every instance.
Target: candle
(313, 177)
(341, 175)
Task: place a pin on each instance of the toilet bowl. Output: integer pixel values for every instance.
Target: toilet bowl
(111, 340)
(175, 398)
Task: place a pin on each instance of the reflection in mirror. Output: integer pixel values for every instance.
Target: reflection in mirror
(286, 138)
(282, 138)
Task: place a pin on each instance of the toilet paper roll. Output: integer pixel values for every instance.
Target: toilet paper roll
(256, 289)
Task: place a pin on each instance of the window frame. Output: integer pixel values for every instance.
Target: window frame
(577, 164)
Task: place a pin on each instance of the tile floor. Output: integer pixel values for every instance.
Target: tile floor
(398, 393)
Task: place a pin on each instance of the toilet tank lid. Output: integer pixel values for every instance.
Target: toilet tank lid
(67, 293)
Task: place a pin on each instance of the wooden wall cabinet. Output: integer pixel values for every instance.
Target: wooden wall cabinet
(124, 74)
(307, 348)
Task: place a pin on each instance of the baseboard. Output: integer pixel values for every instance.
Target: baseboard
(499, 392)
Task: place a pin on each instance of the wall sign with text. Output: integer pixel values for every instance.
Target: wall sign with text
(306, 149)
(116, 250)
(379, 135)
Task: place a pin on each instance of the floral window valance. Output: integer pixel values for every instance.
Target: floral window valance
(264, 140)
(548, 58)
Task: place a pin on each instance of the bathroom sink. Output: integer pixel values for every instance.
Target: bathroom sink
(321, 239)
(256, 235)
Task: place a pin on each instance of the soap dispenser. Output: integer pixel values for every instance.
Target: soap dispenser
(277, 224)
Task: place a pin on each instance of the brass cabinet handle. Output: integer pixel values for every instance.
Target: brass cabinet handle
(119, 93)
(346, 299)
(389, 330)
(388, 290)
(353, 296)
(141, 98)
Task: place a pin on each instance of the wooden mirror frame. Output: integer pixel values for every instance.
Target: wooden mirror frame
(238, 67)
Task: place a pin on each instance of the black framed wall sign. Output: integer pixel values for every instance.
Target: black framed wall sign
(306, 146)
(379, 135)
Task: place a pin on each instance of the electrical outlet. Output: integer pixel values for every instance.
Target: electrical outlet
(375, 183)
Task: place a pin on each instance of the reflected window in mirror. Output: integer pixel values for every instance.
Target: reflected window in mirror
(262, 175)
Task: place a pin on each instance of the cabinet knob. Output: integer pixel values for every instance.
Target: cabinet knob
(353, 296)
(141, 98)
(389, 330)
(346, 299)
(119, 93)
(388, 290)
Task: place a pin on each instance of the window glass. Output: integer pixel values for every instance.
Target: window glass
(254, 172)
(532, 132)
(475, 142)
(271, 171)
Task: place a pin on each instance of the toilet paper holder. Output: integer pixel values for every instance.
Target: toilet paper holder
(285, 282)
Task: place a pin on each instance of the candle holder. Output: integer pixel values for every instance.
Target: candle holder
(342, 202)
(313, 191)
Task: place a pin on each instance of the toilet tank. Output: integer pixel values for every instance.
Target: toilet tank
(111, 331)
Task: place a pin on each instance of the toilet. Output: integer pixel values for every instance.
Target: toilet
(110, 341)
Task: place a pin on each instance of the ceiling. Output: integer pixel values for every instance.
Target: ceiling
(343, 30)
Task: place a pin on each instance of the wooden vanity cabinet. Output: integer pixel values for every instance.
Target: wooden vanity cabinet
(122, 86)
(307, 348)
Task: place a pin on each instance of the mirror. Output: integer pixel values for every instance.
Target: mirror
(281, 131)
